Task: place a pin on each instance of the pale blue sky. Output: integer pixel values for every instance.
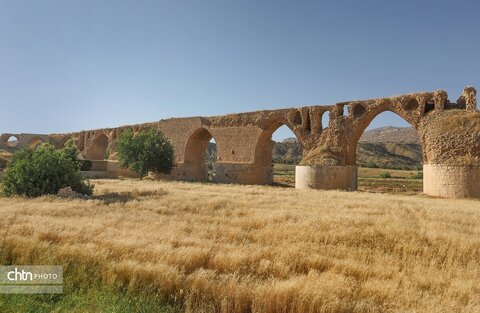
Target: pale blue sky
(82, 64)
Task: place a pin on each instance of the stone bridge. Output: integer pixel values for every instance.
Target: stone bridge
(449, 134)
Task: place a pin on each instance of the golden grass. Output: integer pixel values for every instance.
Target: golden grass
(229, 248)
(454, 122)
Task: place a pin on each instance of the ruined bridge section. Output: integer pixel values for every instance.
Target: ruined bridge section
(449, 133)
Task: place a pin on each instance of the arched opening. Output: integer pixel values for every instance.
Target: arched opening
(98, 148)
(389, 155)
(200, 156)
(12, 141)
(277, 153)
(325, 119)
(35, 142)
(429, 106)
(211, 159)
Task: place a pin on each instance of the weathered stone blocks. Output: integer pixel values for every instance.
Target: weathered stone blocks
(326, 177)
(451, 181)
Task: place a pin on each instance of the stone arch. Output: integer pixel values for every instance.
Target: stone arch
(12, 141)
(98, 147)
(361, 124)
(35, 142)
(194, 156)
(325, 118)
(264, 149)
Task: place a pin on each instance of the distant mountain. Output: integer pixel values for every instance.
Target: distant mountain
(288, 151)
(403, 135)
(390, 155)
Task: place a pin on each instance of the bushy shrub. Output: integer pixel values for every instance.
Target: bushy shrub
(147, 151)
(386, 175)
(44, 171)
(71, 151)
(3, 163)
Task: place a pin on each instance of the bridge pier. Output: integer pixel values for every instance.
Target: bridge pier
(458, 181)
(243, 173)
(326, 177)
(226, 173)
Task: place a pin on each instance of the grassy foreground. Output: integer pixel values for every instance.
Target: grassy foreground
(171, 246)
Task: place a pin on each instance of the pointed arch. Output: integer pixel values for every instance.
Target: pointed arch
(361, 123)
(194, 156)
(12, 141)
(264, 150)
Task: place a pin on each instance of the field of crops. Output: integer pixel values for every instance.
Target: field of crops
(152, 246)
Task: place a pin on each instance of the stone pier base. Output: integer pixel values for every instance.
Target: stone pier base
(227, 173)
(451, 181)
(326, 177)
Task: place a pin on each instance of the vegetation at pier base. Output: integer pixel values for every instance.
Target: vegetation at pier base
(43, 171)
(320, 156)
(148, 246)
(147, 151)
(369, 179)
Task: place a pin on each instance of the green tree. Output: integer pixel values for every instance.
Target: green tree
(71, 151)
(147, 151)
(43, 171)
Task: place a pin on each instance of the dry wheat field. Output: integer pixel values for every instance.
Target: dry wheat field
(230, 248)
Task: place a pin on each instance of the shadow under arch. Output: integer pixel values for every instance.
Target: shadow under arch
(194, 157)
(264, 150)
(98, 147)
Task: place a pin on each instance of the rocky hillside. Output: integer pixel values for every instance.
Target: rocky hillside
(386, 147)
(390, 134)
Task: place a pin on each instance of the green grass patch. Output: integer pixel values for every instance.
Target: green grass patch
(84, 290)
(91, 300)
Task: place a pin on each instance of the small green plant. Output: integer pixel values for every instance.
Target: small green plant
(386, 175)
(418, 175)
(147, 151)
(44, 171)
